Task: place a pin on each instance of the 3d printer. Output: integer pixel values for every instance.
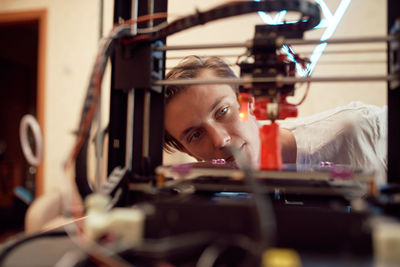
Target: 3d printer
(176, 230)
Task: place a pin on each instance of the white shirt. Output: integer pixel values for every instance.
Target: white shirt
(354, 135)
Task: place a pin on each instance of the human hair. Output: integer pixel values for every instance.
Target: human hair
(189, 68)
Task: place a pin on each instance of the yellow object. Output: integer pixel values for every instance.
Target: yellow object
(281, 258)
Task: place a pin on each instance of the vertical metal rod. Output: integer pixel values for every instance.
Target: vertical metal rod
(99, 147)
(99, 135)
(130, 102)
(150, 5)
(147, 99)
(134, 15)
(129, 129)
(146, 123)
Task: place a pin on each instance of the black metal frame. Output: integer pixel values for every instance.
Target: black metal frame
(393, 108)
(129, 62)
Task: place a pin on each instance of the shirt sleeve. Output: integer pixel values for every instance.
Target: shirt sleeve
(354, 135)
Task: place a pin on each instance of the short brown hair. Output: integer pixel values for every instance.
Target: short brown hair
(190, 68)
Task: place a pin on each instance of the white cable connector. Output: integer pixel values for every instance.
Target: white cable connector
(124, 224)
(386, 242)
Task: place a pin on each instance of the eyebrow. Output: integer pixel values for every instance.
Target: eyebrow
(212, 107)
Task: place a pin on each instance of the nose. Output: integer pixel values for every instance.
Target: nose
(219, 136)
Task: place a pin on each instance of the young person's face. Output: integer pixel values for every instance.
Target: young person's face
(205, 119)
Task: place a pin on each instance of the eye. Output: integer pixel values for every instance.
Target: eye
(196, 135)
(222, 112)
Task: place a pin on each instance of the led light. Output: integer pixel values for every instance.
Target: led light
(243, 116)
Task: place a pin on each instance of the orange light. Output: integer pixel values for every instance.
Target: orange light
(243, 116)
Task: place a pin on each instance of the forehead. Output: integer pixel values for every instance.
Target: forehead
(204, 93)
(205, 88)
(198, 96)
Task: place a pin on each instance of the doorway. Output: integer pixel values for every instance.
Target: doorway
(21, 92)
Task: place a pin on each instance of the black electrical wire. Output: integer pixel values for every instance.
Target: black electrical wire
(214, 252)
(8, 248)
(81, 177)
(100, 65)
(309, 19)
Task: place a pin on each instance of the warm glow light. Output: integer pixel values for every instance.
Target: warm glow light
(242, 116)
